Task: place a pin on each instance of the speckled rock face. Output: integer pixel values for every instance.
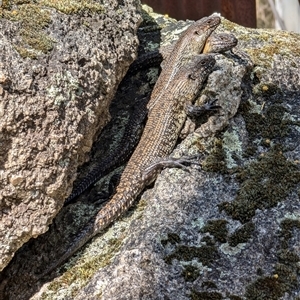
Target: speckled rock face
(60, 65)
(228, 229)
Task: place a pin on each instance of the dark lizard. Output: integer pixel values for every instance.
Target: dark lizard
(162, 129)
(215, 43)
(132, 134)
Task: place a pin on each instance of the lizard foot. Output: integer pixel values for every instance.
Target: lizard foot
(171, 162)
(196, 111)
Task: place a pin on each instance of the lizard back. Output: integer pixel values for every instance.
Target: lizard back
(190, 43)
(161, 132)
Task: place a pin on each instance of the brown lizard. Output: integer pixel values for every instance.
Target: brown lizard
(220, 43)
(190, 43)
(215, 43)
(162, 129)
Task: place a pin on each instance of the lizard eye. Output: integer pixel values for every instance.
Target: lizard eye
(192, 76)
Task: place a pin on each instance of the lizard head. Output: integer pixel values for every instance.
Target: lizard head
(220, 42)
(200, 67)
(206, 25)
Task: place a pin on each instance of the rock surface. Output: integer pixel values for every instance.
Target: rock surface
(229, 229)
(60, 65)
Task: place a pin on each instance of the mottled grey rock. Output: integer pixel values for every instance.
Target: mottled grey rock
(60, 65)
(229, 228)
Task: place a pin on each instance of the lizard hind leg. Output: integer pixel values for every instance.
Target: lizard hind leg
(169, 162)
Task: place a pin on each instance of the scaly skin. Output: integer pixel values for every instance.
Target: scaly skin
(162, 129)
(215, 43)
(219, 43)
(190, 43)
(119, 156)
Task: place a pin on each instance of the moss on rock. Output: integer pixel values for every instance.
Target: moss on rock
(264, 183)
(34, 17)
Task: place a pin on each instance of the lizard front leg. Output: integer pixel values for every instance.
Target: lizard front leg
(194, 111)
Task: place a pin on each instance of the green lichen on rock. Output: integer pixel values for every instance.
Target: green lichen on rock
(284, 280)
(190, 273)
(65, 81)
(264, 288)
(217, 228)
(215, 161)
(172, 238)
(234, 297)
(84, 271)
(208, 285)
(205, 295)
(34, 17)
(232, 147)
(33, 20)
(205, 254)
(73, 6)
(241, 235)
(262, 185)
(272, 42)
(287, 226)
(209, 241)
(282, 43)
(268, 123)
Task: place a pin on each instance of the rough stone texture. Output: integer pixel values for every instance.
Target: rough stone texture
(229, 229)
(52, 106)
